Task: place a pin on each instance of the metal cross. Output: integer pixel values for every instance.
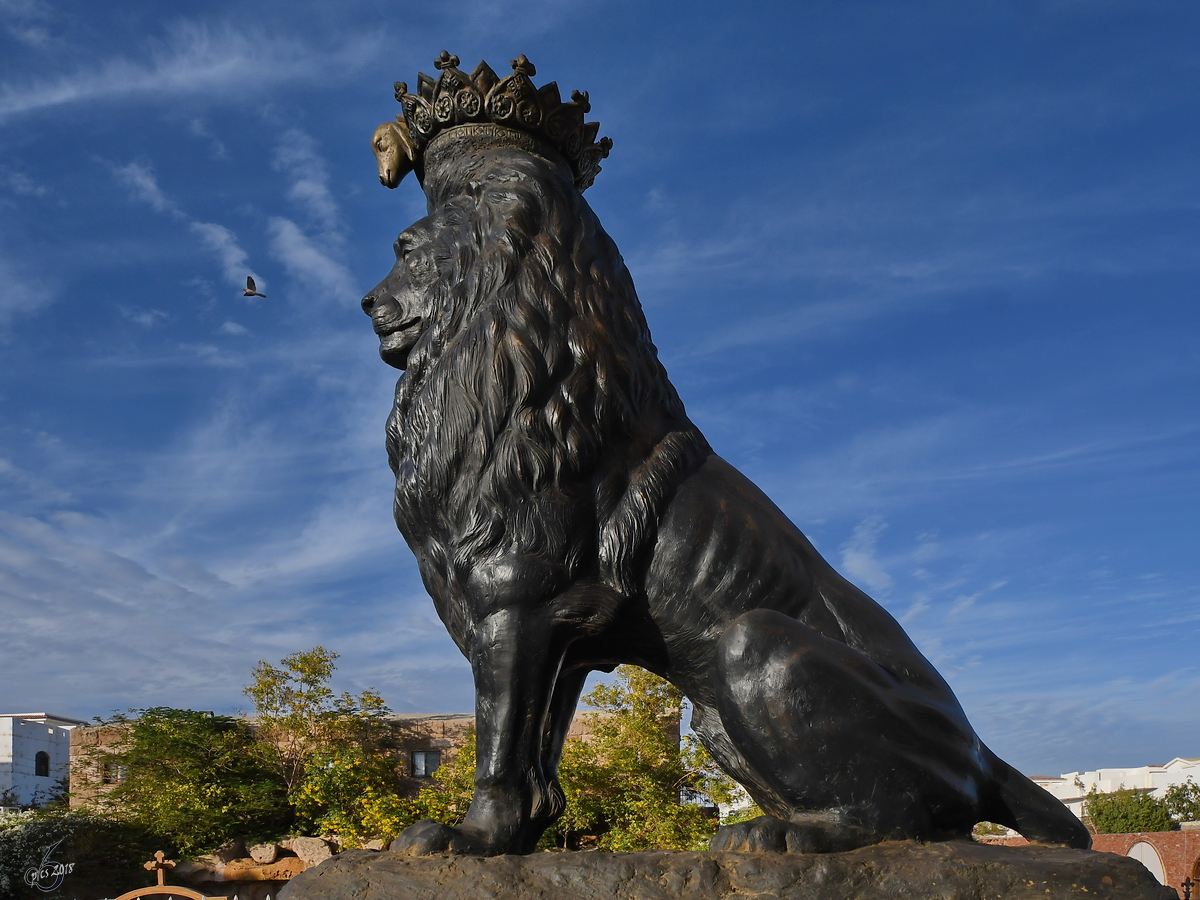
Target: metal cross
(159, 864)
(1187, 886)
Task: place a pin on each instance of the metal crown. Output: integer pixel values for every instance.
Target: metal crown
(456, 98)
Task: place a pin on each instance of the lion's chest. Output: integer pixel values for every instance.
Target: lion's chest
(465, 509)
(419, 510)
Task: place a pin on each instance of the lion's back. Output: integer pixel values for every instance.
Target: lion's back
(724, 548)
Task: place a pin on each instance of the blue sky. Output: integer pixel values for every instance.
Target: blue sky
(926, 271)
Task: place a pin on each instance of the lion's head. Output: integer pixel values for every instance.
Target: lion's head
(401, 305)
(530, 375)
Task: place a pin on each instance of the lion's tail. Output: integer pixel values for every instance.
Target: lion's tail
(1012, 799)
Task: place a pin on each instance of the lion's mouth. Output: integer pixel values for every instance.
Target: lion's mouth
(396, 339)
(385, 328)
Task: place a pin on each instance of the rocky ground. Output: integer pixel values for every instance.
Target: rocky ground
(956, 870)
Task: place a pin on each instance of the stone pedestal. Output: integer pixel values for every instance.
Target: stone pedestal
(956, 870)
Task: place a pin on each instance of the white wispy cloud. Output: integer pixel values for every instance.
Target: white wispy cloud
(307, 261)
(869, 238)
(27, 20)
(192, 58)
(21, 184)
(201, 568)
(147, 318)
(860, 561)
(311, 255)
(298, 159)
(1056, 724)
(21, 291)
(12, 475)
(223, 243)
(143, 187)
(340, 531)
(64, 597)
(200, 129)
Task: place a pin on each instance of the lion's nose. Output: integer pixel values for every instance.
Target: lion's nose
(368, 303)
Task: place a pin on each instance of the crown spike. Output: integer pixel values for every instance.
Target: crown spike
(456, 99)
(425, 86)
(483, 77)
(548, 94)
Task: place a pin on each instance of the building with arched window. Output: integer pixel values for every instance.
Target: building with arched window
(35, 756)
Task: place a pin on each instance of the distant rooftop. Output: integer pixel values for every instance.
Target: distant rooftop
(43, 717)
(432, 716)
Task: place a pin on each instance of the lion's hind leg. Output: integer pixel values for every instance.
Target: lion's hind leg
(837, 750)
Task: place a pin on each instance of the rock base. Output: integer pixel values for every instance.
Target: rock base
(955, 870)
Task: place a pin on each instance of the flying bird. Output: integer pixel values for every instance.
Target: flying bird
(250, 290)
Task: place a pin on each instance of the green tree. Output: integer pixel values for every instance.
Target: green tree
(105, 853)
(989, 828)
(448, 799)
(385, 814)
(710, 784)
(342, 791)
(298, 714)
(194, 780)
(1127, 810)
(630, 781)
(1183, 801)
(334, 751)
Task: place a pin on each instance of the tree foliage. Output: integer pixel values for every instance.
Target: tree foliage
(989, 828)
(1127, 810)
(195, 780)
(341, 783)
(105, 853)
(446, 800)
(334, 750)
(1183, 801)
(323, 763)
(630, 782)
(297, 712)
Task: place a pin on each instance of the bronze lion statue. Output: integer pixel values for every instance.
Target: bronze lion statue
(567, 516)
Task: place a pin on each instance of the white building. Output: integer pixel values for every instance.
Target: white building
(1072, 787)
(35, 755)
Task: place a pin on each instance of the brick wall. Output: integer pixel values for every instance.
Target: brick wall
(1178, 850)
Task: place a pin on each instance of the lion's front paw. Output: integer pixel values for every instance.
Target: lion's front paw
(430, 838)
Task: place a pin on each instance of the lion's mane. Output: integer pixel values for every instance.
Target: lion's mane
(535, 401)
